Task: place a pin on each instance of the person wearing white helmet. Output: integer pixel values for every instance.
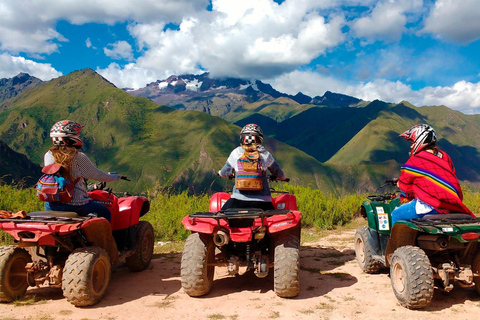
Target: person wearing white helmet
(249, 163)
(427, 180)
(76, 166)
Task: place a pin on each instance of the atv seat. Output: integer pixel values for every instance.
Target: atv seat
(52, 214)
(450, 216)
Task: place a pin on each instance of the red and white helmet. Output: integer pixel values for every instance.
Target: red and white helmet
(66, 133)
(420, 137)
(251, 133)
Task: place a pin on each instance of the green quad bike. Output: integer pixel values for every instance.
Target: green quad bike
(422, 254)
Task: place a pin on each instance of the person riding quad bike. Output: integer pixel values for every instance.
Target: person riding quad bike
(427, 179)
(75, 166)
(431, 241)
(249, 163)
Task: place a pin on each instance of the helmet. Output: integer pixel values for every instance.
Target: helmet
(251, 133)
(420, 137)
(66, 133)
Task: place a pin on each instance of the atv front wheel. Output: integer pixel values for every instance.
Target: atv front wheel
(287, 266)
(412, 278)
(144, 241)
(363, 252)
(86, 276)
(13, 275)
(197, 267)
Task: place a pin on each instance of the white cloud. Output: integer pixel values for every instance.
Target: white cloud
(120, 50)
(454, 20)
(254, 38)
(11, 66)
(129, 76)
(29, 25)
(386, 21)
(462, 96)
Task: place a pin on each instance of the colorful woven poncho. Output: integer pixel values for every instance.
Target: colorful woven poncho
(431, 178)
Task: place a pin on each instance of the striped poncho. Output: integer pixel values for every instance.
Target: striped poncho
(431, 178)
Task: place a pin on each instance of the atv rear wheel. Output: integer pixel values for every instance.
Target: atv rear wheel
(13, 275)
(363, 252)
(144, 241)
(197, 267)
(411, 277)
(86, 276)
(287, 266)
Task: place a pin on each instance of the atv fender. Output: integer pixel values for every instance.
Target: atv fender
(374, 242)
(402, 235)
(99, 234)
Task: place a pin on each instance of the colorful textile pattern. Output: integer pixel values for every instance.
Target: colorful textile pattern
(250, 172)
(431, 178)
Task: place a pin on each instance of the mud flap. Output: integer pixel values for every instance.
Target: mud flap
(99, 234)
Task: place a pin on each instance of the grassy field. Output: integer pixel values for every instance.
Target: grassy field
(320, 211)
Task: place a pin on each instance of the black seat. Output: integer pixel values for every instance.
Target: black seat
(450, 216)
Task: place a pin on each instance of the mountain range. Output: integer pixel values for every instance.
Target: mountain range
(178, 132)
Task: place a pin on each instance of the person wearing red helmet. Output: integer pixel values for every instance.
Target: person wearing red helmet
(250, 162)
(76, 166)
(427, 180)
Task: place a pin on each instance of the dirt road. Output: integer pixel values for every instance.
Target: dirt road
(332, 287)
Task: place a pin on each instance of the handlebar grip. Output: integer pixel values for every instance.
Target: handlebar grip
(125, 178)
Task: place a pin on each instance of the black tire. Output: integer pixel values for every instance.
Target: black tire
(476, 269)
(86, 276)
(411, 277)
(363, 252)
(13, 275)
(197, 267)
(144, 242)
(287, 266)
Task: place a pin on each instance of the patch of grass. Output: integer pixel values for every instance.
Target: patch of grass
(216, 316)
(65, 312)
(324, 306)
(169, 247)
(307, 311)
(274, 315)
(166, 302)
(28, 301)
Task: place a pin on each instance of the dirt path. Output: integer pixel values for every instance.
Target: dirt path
(332, 287)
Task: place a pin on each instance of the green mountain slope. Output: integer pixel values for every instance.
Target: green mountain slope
(15, 167)
(150, 144)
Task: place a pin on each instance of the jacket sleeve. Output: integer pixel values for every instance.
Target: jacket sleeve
(88, 170)
(229, 166)
(275, 169)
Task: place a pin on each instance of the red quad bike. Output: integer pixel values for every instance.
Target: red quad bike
(75, 253)
(250, 238)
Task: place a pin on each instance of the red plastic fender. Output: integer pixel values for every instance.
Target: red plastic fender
(128, 213)
(201, 225)
(42, 231)
(283, 222)
(285, 202)
(218, 200)
(109, 200)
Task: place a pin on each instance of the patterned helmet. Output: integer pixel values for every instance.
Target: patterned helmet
(251, 133)
(420, 136)
(66, 133)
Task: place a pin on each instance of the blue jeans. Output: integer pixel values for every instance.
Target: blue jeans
(91, 207)
(407, 212)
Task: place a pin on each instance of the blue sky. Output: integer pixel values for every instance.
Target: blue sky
(422, 51)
